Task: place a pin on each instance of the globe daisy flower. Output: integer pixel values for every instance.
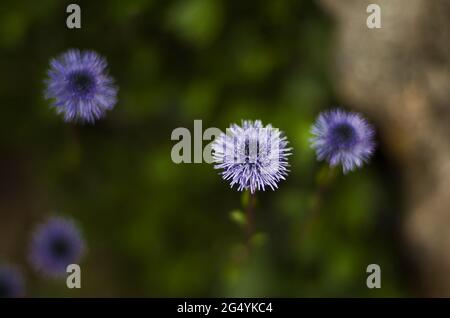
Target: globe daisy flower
(344, 138)
(11, 282)
(252, 156)
(80, 87)
(56, 244)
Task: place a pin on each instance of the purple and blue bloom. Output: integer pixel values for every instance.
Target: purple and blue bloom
(344, 138)
(11, 282)
(80, 86)
(252, 156)
(56, 244)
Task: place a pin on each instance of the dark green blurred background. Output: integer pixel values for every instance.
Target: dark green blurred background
(154, 228)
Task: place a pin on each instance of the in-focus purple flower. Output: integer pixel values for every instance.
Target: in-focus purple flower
(252, 156)
(344, 138)
(56, 244)
(80, 86)
(11, 282)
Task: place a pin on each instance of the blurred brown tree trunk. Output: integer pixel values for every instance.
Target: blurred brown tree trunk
(400, 76)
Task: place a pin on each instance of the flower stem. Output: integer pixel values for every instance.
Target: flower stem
(325, 178)
(250, 218)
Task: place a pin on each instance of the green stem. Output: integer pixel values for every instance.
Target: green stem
(325, 178)
(250, 218)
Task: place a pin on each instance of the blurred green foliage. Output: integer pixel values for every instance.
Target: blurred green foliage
(155, 228)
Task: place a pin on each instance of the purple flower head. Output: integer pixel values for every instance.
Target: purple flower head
(56, 244)
(344, 138)
(11, 283)
(80, 86)
(252, 156)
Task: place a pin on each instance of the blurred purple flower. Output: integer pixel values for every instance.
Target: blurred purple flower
(252, 156)
(80, 86)
(344, 138)
(11, 282)
(56, 244)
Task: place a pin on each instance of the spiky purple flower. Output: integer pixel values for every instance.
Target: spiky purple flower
(80, 86)
(252, 156)
(344, 138)
(56, 244)
(11, 282)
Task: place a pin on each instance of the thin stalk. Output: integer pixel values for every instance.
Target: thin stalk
(250, 219)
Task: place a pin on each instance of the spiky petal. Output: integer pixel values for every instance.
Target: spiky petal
(80, 87)
(252, 156)
(344, 138)
(56, 244)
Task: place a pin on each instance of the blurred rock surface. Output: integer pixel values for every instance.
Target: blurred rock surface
(399, 75)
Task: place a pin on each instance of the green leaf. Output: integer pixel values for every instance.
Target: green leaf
(238, 217)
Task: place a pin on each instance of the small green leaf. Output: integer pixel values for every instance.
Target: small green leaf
(238, 217)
